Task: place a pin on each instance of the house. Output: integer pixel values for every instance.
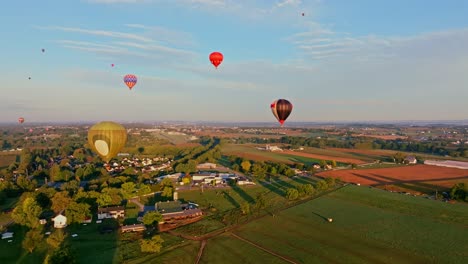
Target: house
(42, 221)
(60, 221)
(206, 166)
(273, 148)
(133, 228)
(111, 212)
(410, 160)
(87, 220)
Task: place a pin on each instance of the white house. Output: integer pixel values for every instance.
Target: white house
(111, 212)
(7, 235)
(60, 221)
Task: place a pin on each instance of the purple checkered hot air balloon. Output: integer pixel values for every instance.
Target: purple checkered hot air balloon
(130, 80)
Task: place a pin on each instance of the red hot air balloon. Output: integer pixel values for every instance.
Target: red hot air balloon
(281, 109)
(216, 58)
(21, 120)
(112, 64)
(130, 80)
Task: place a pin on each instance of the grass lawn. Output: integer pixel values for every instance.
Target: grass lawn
(6, 159)
(13, 252)
(369, 226)
(227, 249)
(186, 252)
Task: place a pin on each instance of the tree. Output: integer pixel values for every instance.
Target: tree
(32, 239)
(246, 165)
(128, 189)
(56, 238)
(141, 150)
(323, 164)
(306, 189)
(322, 185)
(55, 173)
(27, 213)
(152, 245)
(152, 218)
(330, 181)
(292, 194)
(61, 255)
(167, 193)
(260, 201)
(77, 212)
(60, 201)
(398, 157)
(104, 199)
(258, 170)
(333, 163)
(236, 167)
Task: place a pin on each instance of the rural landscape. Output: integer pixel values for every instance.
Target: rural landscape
(351, 193)
(234, 132)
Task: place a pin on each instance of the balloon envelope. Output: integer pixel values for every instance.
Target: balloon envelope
(216, 58)
(281, 109)
(130, 80)
(107, 139)
(21, 120)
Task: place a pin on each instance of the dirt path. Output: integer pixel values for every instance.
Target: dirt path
(200, 252)
(264, 249)
(323, 157)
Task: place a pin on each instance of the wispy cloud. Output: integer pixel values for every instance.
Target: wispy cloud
(154, 45)
(320, 42)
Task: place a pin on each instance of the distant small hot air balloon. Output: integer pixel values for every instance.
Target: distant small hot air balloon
(216, 58)
(281, 109)
(130, 80)
(112, 64)
(21, 120)
(43, 50)
(29, 78)
(302, 14)
(30, 130)
(107, 139)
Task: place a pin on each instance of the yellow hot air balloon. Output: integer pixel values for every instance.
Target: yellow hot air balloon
(107, 139)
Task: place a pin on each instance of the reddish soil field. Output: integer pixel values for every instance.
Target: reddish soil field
(256, 157)
(386, 137)
(324, 157)
(418, 177)
(188, 145)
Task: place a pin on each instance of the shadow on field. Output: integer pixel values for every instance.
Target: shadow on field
(321, 216)
(303, 180)
(420, 185)
(230, 199)
(272, 188)
(243, 194)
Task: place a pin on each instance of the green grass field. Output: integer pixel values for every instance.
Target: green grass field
(369, 226)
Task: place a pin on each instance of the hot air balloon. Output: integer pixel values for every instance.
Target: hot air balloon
(29, 78)
(302, 14)
(21, 120)
(43, 50)
(281, 109)
(107, 139)
(130, 80)
(216, 58)
(112, 64)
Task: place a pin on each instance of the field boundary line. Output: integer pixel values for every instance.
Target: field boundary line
(264, 249)
(200, 252)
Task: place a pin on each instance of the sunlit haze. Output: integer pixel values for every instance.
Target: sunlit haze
(342, 60)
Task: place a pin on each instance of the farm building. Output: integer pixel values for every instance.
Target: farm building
(60, 221)
(175, 210)
(111, 212)
(206, 166)
(133, 228)
(411, 160)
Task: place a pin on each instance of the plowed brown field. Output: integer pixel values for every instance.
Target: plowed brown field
(324, 157)
(423, 178)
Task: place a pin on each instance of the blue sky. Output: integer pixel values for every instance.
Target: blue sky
(343, 61)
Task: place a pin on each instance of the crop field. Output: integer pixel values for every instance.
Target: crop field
(324, 157)
(7, 159)
(250, 152)
(385, 153)
(419, 178)
(369, 226)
